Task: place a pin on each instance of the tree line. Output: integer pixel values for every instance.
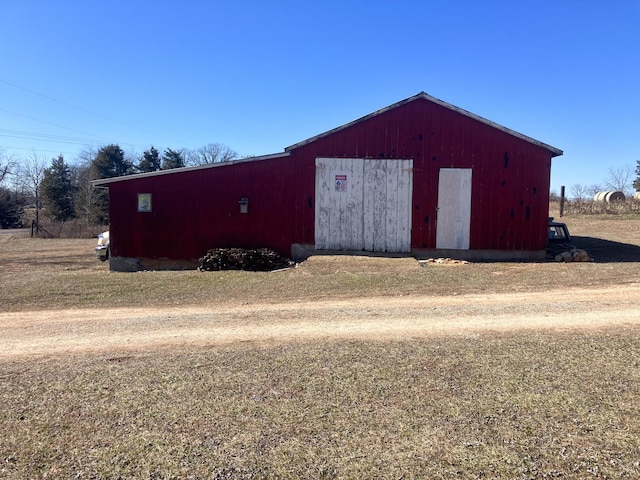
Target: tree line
(64, 191)
(621, 179)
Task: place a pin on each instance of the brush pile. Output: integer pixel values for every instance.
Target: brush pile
(260, 260)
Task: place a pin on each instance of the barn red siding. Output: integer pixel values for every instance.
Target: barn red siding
(510, 175)
(195, 210)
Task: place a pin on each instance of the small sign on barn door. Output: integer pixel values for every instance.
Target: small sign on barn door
(363, 204)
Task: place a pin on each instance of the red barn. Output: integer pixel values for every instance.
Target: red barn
(420, 176)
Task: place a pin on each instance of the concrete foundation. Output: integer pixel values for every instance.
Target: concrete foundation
(300, 252)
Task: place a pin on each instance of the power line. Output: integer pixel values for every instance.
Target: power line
(52, 138)
(40, 150)
(66, 104)
(43, 137)
(46, 122)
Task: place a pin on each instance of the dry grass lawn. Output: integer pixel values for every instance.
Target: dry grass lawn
(512, 384)
(55, 274)
(540, 405)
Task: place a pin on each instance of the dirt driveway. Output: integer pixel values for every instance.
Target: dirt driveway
(55, 332)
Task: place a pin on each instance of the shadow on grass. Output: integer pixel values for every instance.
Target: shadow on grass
(604, 251)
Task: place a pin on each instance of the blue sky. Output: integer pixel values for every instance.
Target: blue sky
(259, 76)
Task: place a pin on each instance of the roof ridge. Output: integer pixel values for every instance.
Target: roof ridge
(425, 96)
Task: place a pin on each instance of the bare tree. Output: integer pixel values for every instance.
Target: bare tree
(593, 189)
(83, 173)
(621, 179)
(30, 174)
(7, 165)
(211, 153)
(578, 192)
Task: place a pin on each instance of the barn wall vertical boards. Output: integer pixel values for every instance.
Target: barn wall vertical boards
(363, 204)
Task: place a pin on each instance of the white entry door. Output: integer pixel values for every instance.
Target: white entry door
(363, 204)
(454, 209)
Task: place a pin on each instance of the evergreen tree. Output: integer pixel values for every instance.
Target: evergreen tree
(11, 208)
(150, 161)
(636, 182)
(172, 159)
(109, 162)
(58, 191)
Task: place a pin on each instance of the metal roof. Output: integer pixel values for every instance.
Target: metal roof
(424, 96)
(287, 151)
(106, 181)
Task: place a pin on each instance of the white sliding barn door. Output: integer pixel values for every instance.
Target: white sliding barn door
(339, 206)
(363, 204)
(454, 209)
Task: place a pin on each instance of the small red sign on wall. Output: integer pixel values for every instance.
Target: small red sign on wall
(341, 183)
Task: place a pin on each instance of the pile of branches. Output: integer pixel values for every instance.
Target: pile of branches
(260, 260)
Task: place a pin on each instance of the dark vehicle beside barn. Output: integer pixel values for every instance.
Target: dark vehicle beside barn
(558, 232)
